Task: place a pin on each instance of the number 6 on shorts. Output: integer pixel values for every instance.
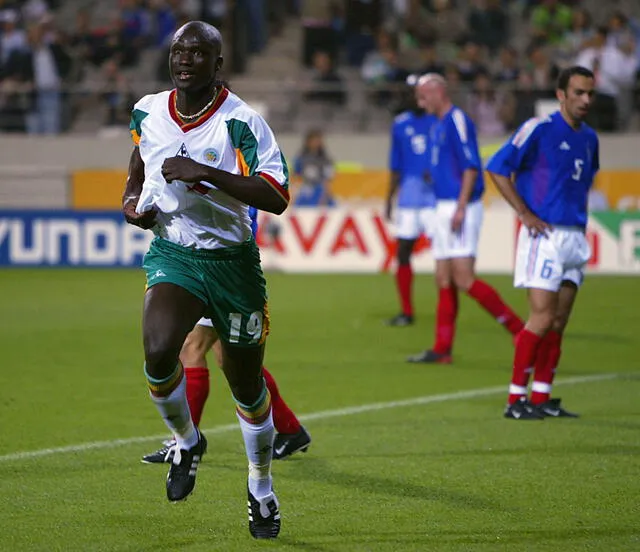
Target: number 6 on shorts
(547, 269)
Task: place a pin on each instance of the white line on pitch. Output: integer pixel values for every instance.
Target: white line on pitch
(322, 415)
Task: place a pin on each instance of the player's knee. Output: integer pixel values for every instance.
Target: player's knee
(560, 322)
(463, 281)
(540, 322)
(161, 358)
(194, 350)
(405, 248)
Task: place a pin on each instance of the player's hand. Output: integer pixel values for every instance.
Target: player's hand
(144, 220)
(536, 226)
(458, 219)
(181, 168)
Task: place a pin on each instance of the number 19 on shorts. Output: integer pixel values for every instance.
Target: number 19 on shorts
(253, 326)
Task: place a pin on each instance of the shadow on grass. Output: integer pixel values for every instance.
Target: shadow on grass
(317, 469)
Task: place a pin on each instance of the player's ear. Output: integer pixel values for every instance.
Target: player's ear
(219, 63)
(561, 95)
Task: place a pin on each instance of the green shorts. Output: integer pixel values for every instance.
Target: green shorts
(229, 281)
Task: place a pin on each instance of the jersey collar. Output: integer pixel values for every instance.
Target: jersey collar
(187, 126)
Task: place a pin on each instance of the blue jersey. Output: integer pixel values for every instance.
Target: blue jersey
(409, 157)
(253, 214)
(454, 149)
(554, 167)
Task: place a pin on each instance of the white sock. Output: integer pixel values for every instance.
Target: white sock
(174, 409)
(258, 443)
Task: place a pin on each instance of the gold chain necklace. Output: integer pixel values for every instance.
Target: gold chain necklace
(195, 115)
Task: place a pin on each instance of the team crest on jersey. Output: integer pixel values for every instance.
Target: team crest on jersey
(409, 131)
(182, 152)
(210, 155)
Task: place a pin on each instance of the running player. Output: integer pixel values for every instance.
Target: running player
(415, 211)
(456, 171)
(201, 156)
(291, 437)
(554, 160)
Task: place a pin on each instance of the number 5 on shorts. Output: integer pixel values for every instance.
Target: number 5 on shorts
(547, 269)
(253, 327)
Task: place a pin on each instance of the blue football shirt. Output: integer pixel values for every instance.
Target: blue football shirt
(409, 156)
(454, 149)
(554, 166)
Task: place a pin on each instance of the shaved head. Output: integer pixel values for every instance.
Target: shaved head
(203, 31)
(431, 79)
(432, 94)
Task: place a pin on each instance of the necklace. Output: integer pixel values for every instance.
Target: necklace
(196, 115)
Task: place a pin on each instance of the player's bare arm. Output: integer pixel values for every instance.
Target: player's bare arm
(466, 190)
(252, 190)
(536, 226)
(132, 191)
(393, 190)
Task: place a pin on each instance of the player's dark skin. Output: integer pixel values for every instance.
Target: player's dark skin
(170, 311)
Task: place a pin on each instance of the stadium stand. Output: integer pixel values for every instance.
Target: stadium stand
(501, 57)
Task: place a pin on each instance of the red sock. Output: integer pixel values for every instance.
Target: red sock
(197, 391)
(283, 418)
(446, 320)
(527, 346)
(491, 301)
(404, 281)
(545, 369)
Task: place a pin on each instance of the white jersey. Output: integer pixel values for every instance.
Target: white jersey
(229, 136)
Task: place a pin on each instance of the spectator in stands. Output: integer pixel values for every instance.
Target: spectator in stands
(34, 10)
(327, 85)
(384, 72)
(134, 28)
(43, 67)
(623, 33)
(541, 69)
(469, 62)
(116, 93)
(363, 19)
(488, 24)
(576, 38)
(375, 66)
(447, 22)
(508, 66)
(162, 17)
(12, 38)
(550, 20)
(458, 90)
(614, 71)
(429, 62)
(318, 30)
(313, 171)
(491, 111)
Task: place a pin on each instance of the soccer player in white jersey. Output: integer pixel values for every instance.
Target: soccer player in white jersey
(554, 160)
(416, 202)
(456, 171)
(202, 156)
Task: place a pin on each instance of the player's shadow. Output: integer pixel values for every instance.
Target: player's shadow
(317, 469)
(593, 336)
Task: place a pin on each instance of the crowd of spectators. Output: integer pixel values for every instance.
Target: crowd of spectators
(49, 69)
(501, 57)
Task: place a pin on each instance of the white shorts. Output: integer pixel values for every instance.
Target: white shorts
(544, 263)
(205, 322)
(411, 223)
(448, 244)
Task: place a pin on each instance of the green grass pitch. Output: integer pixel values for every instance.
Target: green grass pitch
(442, 473)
